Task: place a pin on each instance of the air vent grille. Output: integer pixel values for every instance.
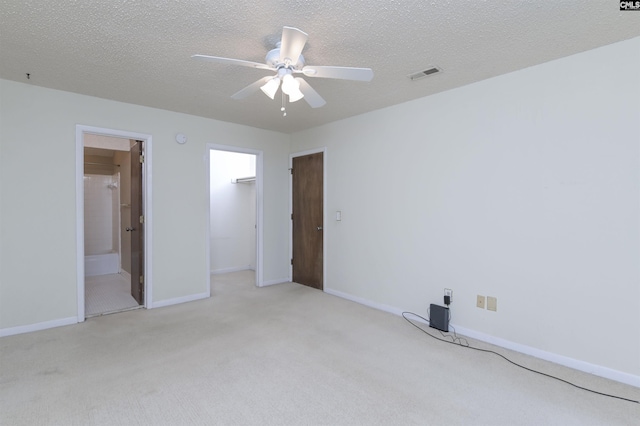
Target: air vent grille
(424, 73)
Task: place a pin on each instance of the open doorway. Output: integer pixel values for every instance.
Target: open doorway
(107, 225)
(235, 212)
(113, 211)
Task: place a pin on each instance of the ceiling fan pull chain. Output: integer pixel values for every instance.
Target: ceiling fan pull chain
(284, 111)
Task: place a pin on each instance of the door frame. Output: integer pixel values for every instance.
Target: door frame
(323, 150)
(259, 206)
(81, 130)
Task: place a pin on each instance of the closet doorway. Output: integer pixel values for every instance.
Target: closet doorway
(235, 211)
(112, 194)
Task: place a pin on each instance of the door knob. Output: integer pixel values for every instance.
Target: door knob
(319, 228)
(130, 229)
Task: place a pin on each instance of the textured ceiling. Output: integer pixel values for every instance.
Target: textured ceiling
(139, 51)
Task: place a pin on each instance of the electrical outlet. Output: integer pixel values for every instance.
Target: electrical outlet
(480, 302)
(492, 303)
(449, 292)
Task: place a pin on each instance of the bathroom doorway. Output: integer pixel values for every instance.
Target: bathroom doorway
(112, 188)
(235, 211)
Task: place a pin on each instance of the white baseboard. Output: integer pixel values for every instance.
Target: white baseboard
(276, 281)
(229, 270)
(576, 364)
(586, 367)
(38, 326)
(178, 300)
(125, 274)
(366, 302)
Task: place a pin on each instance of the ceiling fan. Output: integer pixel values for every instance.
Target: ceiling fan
(286, 60)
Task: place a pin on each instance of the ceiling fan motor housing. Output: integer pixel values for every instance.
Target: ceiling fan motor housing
(273, 59)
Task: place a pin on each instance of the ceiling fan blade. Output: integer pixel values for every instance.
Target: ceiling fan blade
(228, 61)
(342, 73)
(250, 89)
(293, 41)
(311, 96)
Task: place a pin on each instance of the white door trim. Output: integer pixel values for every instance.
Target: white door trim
(324, 210)
(81, 130)
(259, 207)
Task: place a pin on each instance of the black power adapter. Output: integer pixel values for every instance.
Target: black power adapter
(439, 317)
(447, 300)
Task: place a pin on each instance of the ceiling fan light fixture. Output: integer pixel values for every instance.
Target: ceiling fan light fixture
(289, 84)
(295, 95)
(291, 87)
(271, 87)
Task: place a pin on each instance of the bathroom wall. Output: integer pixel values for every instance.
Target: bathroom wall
(101, 206)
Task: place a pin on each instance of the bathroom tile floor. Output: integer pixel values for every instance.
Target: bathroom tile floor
(105, 294)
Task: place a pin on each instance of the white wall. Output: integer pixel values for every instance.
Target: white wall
(38, 226)
(233, 212)
(524, 187)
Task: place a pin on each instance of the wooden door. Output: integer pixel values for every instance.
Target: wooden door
(137, 224)
(307, 201)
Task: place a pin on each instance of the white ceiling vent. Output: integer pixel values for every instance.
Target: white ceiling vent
(424, 73)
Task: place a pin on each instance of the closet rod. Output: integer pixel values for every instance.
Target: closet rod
(102, 164)
(244, 180)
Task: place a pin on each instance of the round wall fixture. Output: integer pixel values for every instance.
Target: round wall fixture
(181, 138)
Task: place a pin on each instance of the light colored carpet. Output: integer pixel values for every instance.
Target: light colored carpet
(281, 355)
(107, 293)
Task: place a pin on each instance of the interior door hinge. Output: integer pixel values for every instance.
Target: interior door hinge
(141, 279)
(291, 216)
(141, 219)
(142, 159)
(292, 261)
(291, 170)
